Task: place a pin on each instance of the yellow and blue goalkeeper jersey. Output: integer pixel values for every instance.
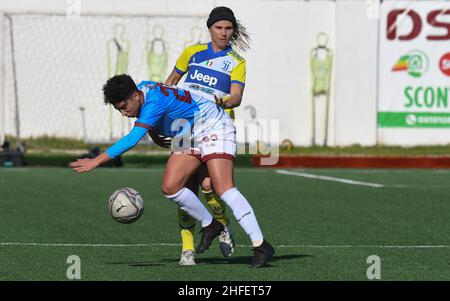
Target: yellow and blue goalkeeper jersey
(211, 73)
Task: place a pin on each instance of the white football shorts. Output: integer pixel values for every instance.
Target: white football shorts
(212, 139)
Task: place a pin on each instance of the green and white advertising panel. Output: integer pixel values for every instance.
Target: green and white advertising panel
(414, 66)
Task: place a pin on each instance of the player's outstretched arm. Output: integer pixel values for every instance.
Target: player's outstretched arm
(85, 165)
(118, 148)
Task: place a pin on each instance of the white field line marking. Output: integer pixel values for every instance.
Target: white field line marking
(32, 244)
(326, 178)
(416, 186)
(390, 171)
(440, 171)
(364, 246)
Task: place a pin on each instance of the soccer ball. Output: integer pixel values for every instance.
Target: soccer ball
(126, 205)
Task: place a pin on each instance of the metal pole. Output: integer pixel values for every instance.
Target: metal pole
(16, 96)
(313, 119)
(83, 123)
(327, 106)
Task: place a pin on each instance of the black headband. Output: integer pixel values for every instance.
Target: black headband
(219, 16)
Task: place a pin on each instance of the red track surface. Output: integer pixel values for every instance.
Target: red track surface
(356, 162)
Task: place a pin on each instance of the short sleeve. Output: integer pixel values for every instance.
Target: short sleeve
(151, 113)
(238, 74)
(182, 63)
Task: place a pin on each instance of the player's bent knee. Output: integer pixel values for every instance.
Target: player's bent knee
(170, 188)
(222, 187)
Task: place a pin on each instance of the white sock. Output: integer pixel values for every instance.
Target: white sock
(257, 243)
(189, 202)
(243, 213)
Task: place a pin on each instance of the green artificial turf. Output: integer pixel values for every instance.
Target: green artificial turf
(321, 228)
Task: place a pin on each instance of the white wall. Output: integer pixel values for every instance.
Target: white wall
(118, 7)
(278, 64)
(2, 91)
(356, 73)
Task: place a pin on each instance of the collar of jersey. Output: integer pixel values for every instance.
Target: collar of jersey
(219, 53)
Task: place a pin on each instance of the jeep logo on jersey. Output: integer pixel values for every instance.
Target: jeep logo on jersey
(210, 80)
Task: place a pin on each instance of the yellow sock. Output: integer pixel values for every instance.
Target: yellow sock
(187, 225)
(216, 205)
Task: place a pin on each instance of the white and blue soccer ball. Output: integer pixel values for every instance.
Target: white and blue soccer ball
(126, 205)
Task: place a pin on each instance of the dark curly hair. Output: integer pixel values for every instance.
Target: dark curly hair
(118, 88)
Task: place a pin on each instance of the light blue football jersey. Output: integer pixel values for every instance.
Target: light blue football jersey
(172, 112)
(166, 109)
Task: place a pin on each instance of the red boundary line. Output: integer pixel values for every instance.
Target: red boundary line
(355, 162)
